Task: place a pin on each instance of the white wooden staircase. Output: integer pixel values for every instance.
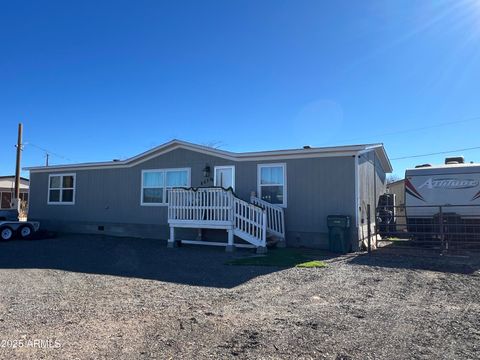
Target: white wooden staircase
(218, 208)
(275, 220)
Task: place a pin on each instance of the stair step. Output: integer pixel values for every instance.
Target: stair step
(247, 237)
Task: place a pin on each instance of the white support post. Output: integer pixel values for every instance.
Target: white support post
(171, 240)
(264, 234)
(252, 196)
(283, 241)
(230, 245)
(262, 249)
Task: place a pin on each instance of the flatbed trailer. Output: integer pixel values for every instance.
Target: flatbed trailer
(22, 229)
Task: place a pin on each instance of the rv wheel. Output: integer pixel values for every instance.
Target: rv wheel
(6, 233)
(25, 232)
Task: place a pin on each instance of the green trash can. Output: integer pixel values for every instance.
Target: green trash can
(339, 233)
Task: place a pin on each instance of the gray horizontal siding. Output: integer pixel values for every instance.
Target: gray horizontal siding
(372, 183)
(317, 187)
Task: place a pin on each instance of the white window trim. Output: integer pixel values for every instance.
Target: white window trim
(189, 182)
(74, 175)
(284, 166)
(224, 167)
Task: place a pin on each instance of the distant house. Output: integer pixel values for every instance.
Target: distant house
(398, 188)
(7, 191)
(174, 189)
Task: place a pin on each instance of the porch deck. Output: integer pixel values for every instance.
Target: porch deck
(218, 208)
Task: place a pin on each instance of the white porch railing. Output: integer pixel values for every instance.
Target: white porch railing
(250, 222)
(212, 206)
(275, 217)
(217, 208)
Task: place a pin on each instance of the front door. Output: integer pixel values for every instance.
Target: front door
(225, 176)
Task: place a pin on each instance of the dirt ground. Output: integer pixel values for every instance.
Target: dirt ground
(101, 297)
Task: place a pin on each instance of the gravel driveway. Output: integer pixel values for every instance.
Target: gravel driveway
(102, 297)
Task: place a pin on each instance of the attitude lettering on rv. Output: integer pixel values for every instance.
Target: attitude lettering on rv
(449, 183)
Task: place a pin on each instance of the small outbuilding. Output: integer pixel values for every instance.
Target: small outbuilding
(173, 190)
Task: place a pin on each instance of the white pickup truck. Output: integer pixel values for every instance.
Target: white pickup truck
(11, 226)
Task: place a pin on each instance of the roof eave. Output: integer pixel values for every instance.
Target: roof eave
(173, 144)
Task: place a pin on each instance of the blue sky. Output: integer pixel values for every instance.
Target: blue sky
(97, 80)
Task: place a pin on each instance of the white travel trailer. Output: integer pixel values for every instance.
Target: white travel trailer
(455, 186)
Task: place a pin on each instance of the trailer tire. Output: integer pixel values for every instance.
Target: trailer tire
(25, 232)
(6, 233)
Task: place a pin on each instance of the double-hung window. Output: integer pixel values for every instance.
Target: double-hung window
(157, 183)
(272, 183)
(61, 189)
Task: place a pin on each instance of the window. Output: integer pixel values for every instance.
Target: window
(224, 176)
(156, 183)
(24, 196)
(6, 200)
(7, 197)
(61, 189)
(272, 183)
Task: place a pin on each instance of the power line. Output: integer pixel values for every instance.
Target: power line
(47, 152)
(414, 129)
(435, 153)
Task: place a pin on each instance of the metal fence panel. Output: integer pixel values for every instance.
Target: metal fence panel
(442, 228)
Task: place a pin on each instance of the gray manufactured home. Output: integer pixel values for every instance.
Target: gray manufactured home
(238, 199)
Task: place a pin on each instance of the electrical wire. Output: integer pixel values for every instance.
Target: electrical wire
(435, 153)
(420, 129)
(413, 129)
(47, 151)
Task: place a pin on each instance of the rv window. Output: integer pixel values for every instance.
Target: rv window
(61, 189)
(272, 183)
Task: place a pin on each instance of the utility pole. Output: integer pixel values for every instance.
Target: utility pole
(17, 168)
(47, 155)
